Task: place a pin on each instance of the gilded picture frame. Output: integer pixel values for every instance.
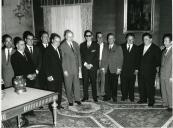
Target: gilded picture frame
(138, 15)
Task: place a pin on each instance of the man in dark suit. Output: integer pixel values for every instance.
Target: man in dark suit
(22, 63)
(23, 66)
(71, 62)
(43, 44)
(7, 51)
(90, 62)
(113, 66)
(52, 63)
(34, 53)
(129, 69)
(149, 62)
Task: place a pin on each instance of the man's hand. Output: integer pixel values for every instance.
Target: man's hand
(31, 76)
(37, 72)
(50, 78)
(170, 80)
(65, 73)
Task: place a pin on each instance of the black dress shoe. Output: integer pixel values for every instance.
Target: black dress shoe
(114, 99)
(60, 107)
(169, 109)
(78, 102)
(84, 99)
(106, 99)
(70, 104)
(95, 100)
(150, 104)
(141, 102)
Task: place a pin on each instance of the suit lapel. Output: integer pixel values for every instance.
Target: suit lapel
(148, 51)
(55, 53)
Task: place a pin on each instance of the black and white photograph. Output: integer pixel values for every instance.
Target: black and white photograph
(86, 64)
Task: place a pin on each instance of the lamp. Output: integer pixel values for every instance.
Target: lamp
(23, 8)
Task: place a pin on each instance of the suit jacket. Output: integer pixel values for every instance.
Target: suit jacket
(36, 57)
(52, 64)
(22, 65)
(166, 65)
(7, 70)
(71, 60)
(90, 55)
(130, 59)
(113, 58)
(149, 61)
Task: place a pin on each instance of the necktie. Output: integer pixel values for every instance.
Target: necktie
(88, 45)
(31, 50)
(128, 49)
(110, 48)
(58, 53)
(71, 47)
(25, 56)
(166, 50)
(8, 56)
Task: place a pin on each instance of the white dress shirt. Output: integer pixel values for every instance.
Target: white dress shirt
(6, 52)
(101, 50)
(45, 45)
(146, 47)
(89, 44)
(131, 45)
(111, 46)
(22, 53)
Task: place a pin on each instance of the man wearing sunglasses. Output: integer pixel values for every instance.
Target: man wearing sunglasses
(90, 63)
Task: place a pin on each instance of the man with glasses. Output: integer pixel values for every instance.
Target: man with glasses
(90, 63)
(34, 53)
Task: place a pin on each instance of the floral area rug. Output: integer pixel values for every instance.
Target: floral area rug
(101, 114)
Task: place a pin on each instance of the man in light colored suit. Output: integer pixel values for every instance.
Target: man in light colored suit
(100, 71)
(166, 72)
(71, 62)
(113, 66)
(7, 51)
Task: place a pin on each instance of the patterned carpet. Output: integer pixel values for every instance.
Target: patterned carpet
(102, 114)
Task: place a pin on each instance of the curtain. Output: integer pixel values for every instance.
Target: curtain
(76, 18)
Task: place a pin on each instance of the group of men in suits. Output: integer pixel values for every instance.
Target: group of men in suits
(55, 62)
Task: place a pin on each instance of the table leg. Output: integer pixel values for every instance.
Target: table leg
(54, 105)
(19, 121)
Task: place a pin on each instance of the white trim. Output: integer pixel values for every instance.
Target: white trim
(168, 122)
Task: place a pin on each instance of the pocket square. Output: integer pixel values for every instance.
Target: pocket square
(93, 50)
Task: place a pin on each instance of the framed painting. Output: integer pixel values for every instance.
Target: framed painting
(138, 15)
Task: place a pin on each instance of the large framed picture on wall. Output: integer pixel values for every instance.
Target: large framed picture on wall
(138, 15)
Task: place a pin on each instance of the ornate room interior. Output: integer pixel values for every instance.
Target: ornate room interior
(106, 16)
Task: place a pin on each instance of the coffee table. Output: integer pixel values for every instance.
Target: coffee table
(14, 104)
